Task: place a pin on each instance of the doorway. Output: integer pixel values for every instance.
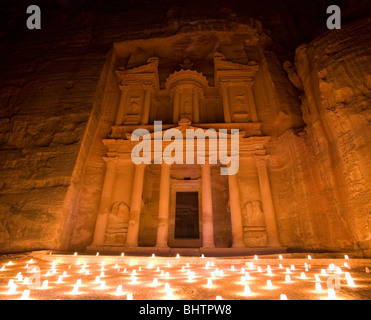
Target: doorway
(187, 216)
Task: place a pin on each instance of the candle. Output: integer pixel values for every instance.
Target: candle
(283, 297)
(119, 290)
(129, 296)
(25, 295)
(247, 291)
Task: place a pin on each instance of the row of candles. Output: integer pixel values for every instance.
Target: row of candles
(332, 269)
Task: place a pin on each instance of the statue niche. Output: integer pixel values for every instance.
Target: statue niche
(239, 109)
(117, 224)
(254, 225)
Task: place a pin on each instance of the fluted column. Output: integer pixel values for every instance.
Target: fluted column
(226, 108)
(176, 106)
(268, 208)
(163, 208)
(105, 201)
(196, 106)
(236, 214)
(207, 208)
(135, 206)
(146, 104)
(252, 105)
(122, 106)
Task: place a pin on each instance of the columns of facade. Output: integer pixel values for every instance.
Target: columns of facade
(176, 106)
(207, 208)
(121, 109)
(236, 214)
(252, 105)
(146, 103)
(196, 106)
(268, 208)
(135, 206)
(105, 202)
(163, 208)
(226, 107)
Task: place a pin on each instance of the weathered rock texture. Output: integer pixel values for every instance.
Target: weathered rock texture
(57, 86)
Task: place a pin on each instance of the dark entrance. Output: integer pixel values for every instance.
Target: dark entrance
(186, 216)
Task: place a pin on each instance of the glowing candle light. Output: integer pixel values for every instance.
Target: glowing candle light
(169, 294)
(242, 270)
(232, 268)
(25, 280)
(162, 273)
(323, 272)
(287, 278)
(75, 289)
(102, 285)
(167, 275)
(219, 298)
(119, 290)
(247, 291)
(97, 254)
(280, 257)
(189, 277)
(183, 269)
(187, 265)
(247, 276)
(10, 283)
(158, 269)
(26, 267)
(316, 276)
(269, 284)
(19, 276)
(331, 293)
(168, 265)
(60, 279)
(212, 264)
(209, 282)
(97, 279)
(167, 286)
(155, 281)
(306, 269)
(87, 272)
(31, 261)
(292, 267)
(131, 263)
(75, 254)
(78, 282)
(207, 265)
(243, 280)
(256, 257)
(213, 275)
(25, 295)
(188, 271)
(12, 289)
(280, 266)
(350, 282)
(367, 270)
(302, 275)
(346, 265)
(309, 258)
(202, 256)
(177, 256)
(306, 265)
(318, 287)
(122, 254)
(140, 269)
(129, 296)
(102, 274)
(125, 270)
(338, 270)
(45, 284)
(288, 270)
(346, 257)
(221, 273)
(134, 279)
(283, 297)
(2, 268)
(259, 269)
(116, 266)
(10, 263)
(64, 273)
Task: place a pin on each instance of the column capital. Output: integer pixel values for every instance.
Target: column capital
(110, 160)
(124, 87)
(260, 161)
(148, 86)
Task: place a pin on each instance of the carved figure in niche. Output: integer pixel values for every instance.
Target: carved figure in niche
(239, 109)
(118, 217)
(186, 110)
(253, 214)
(134, 107)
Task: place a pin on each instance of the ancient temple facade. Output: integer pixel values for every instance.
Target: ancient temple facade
(157, 207)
